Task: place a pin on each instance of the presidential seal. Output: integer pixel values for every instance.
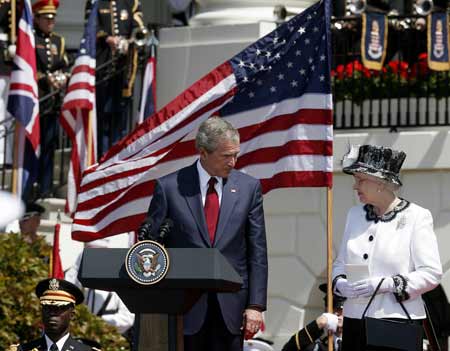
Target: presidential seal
(147, 262)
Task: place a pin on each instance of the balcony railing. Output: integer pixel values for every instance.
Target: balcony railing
(405, 93)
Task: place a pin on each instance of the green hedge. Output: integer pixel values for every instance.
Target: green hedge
(22, 266)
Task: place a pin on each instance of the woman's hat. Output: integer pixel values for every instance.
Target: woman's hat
(378, 161)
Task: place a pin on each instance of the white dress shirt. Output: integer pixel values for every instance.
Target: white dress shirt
(204, 179)
(405, 245)
(60, 343)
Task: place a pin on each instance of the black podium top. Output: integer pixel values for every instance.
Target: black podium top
(192, 272)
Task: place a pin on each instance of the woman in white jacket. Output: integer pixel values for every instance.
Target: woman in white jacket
(393, 237)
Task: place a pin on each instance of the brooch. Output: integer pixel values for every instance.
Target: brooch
(401, 222)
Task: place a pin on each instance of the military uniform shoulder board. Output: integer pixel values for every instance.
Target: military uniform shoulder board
(13, 347)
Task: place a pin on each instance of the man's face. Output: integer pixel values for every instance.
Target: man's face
(221, 161)
(45, 24)
(56, 320)
(30, 225)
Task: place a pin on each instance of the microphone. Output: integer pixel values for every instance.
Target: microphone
(164, 230)
(146, 230)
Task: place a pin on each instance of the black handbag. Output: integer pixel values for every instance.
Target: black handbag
(384, 334)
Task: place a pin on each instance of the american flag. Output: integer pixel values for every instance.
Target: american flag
(148, 97)
(23, 102)
(277, 92)
(78, 114)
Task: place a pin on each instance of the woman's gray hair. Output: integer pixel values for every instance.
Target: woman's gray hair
(212, 131)
(391, 186)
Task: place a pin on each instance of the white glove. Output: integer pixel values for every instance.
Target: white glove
(345, 289)
(366, 287)
(332, 321)
(12, 51)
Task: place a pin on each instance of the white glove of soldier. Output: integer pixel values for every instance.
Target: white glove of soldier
(332, 321)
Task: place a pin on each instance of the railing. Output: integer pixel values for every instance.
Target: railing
(405, 93)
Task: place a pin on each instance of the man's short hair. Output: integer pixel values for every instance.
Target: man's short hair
(212, 131)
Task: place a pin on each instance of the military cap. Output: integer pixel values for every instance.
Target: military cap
(46, 8)
(58, 292)
(257, 345)
(338, 301)
(33, 209)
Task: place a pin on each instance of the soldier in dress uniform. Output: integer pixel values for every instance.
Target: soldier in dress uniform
(58, 299)
(105, 304)
(7, 52)
(312, 336)
(52, 65)
(117, 21)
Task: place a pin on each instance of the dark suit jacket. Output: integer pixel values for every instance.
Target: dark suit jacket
(240, 237)
(40, 344)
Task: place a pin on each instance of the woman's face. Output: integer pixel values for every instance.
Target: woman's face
(367, 187)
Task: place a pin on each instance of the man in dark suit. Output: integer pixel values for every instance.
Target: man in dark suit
(58, 299)
(214, 206)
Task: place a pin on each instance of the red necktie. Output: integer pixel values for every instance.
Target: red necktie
(211, 208)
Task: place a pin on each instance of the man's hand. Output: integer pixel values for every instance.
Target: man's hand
(328, 321)
(113, 42)
(253, 320)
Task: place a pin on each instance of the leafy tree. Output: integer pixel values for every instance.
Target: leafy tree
(22, 266)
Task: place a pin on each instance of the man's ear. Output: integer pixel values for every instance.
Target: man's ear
(73, 314)
(202, 153)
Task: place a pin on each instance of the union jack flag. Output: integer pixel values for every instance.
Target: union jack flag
(78, 113)
(148, 97)
(277, 92)
(23, 102)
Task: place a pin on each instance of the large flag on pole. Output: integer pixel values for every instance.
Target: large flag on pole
(56, 270)
(148, 96)
(23, 104)
(78, 114)
(277, 92)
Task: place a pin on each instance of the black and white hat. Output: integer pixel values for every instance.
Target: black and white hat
(378, 161)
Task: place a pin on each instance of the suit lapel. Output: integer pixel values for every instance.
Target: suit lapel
(193, 198)
(230, 194)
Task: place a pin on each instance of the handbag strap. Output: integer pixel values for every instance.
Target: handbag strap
(404, 310)
(371, 298)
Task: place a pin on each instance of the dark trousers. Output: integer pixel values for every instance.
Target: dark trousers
(113, 114)
(214, 334)
(353, 338)
(49, 140)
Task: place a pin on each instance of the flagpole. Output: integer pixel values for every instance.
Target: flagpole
(329, 260)
(13, 22)
(15, 161)
(89, 141)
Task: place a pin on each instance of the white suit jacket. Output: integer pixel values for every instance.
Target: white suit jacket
(405, 245)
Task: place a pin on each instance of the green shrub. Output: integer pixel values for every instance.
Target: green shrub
(22, 266)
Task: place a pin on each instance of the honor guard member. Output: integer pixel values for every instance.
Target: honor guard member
(117, 57)
(105, 304)
(52, 65)
(7, 53)
(58, 299)
(312, 337)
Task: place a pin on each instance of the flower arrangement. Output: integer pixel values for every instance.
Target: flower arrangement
(397, 79)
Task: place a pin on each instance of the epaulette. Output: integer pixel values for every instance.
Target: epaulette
(13, 347)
